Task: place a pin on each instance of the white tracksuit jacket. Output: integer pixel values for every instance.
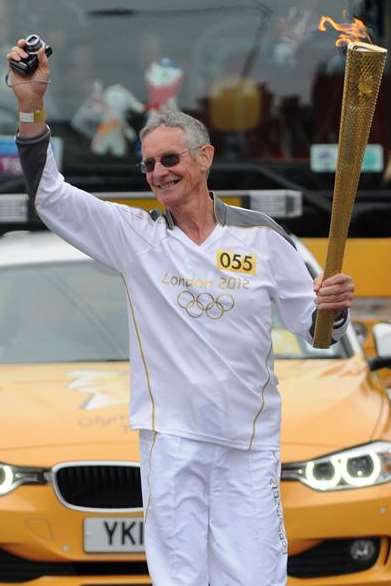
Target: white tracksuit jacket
(199, 315)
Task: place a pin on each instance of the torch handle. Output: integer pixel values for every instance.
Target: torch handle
(325, 318)
(323, 328)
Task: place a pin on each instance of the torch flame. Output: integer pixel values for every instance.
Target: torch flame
(355, 31)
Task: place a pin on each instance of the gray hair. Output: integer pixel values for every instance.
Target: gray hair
(195, 131)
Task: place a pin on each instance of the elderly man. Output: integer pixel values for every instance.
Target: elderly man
(201, 279)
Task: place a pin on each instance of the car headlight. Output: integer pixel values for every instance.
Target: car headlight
(13, 476)
(365, 465)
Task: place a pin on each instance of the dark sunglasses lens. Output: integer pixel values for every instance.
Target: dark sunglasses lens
(148, 165)
(170, 160)
(167, 160)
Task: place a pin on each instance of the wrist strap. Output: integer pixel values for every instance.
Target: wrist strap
(9, 84)
(32, 117)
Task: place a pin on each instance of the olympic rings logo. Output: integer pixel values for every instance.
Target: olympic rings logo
(205, 303)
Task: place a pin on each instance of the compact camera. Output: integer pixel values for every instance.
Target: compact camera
(29, 64)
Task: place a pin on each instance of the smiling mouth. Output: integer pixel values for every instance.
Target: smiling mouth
(168, 185)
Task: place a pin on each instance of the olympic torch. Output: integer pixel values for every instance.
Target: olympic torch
(363, 73)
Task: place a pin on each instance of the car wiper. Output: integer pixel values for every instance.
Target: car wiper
(97, 360)
(68, 361)
(308, 357)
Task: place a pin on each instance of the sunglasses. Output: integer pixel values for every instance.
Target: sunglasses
(167, 160)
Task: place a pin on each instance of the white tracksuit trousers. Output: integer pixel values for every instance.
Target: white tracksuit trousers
(213, 514)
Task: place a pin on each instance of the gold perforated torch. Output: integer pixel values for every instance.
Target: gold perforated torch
(363, 73)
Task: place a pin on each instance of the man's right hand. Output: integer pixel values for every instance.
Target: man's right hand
(32, 90)
(29, 90)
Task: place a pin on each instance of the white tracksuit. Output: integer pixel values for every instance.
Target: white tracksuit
(202, 375)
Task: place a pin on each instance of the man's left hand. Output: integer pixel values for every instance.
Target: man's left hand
(334, 293)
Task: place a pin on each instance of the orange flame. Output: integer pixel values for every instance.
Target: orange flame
(355, 31)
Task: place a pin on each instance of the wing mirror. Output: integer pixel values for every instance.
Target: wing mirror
(382, 337)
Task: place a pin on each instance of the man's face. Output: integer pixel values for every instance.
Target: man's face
(178, 184)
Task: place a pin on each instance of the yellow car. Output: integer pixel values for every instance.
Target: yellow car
(70, 501)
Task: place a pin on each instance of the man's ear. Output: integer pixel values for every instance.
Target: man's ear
(206, 154)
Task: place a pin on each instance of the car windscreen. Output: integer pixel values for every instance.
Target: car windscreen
(76, 311)
(62, 312)
(287, 345)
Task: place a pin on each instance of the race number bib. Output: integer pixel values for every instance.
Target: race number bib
(228, 260)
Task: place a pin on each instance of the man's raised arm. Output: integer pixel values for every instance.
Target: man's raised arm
(101, 229)
(29, 91)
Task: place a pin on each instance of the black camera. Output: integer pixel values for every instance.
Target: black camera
(29, 64)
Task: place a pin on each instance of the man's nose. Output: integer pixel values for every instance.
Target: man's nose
(160, 170)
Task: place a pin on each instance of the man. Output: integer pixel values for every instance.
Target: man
(200, 279)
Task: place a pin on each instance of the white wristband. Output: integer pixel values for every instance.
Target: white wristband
(31, 117)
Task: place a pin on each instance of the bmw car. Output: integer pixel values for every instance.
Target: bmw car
(71, 510)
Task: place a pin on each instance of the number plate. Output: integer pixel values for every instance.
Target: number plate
(113, 534)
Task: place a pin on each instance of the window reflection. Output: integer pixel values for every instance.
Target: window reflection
(259, 74)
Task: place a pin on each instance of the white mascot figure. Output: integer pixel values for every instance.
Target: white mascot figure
(164, 79)
(114, 130)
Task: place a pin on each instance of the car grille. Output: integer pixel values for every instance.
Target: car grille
(14, 569)
(98, 485)
(332, 558)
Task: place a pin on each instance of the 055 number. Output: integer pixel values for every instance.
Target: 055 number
(233, 261)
